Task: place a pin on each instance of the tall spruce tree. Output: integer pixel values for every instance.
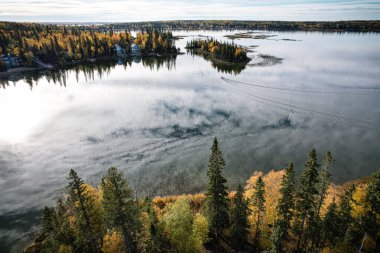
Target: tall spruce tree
(307, 197)
(345, 213)
(121, 209)
(330, 227)
(284, 211)
(258, 201)
(88, 239)
(372, 209)
(216, 195)
(239, 219)
(324, 183)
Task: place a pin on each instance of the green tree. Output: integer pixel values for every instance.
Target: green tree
(345, 212)
(186, 233)
(330, 227)
(258, 201)
(121, 210)
(89, 235)
(324, 183)
(216, 196)
(372, 209)
(284, 211)
(307, 197)
(239, 219)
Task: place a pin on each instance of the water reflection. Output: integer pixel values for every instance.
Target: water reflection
(220, 66)
(90, 71)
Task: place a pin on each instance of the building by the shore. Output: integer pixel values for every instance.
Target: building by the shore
(10, 61)
(135, 50)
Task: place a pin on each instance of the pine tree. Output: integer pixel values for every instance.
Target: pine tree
(284, 211)
(324, 183)
(216, 196)
(372, 209)
(307, 196)
(330, 226)
(121, 210)
(258, 201)
(239, 219)
(345, 215)
(88, 239)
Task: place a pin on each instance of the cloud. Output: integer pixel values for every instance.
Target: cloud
(118, 10)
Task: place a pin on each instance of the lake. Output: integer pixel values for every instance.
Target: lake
(155, 119)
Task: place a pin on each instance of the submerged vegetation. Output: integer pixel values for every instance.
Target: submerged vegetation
(274, 212)
(61, 45)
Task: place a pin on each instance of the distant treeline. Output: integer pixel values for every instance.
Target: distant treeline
(273, 213)
(333, 26)
(61, 45)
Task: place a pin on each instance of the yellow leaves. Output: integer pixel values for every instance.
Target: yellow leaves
(358, 200)
(113, 243)
(238, 52)
(200, 231)
(65, 249)
(272, 181)
(16, 51)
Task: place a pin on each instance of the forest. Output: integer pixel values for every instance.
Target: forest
(63, 45)
(324, 26)
(216, 50)
(273, 212)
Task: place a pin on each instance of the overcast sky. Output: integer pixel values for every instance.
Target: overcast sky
(141, 10)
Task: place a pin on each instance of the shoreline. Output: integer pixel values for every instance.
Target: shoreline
(20, 70)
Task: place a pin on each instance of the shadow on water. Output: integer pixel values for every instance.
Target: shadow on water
(89, 70)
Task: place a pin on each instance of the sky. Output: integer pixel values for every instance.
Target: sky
(151, 10)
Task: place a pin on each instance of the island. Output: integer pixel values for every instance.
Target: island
(225, 56)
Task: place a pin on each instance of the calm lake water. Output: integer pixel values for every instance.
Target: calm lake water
(155, 119)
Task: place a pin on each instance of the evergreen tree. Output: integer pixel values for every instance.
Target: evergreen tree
(216, 195)
(284, 211)
(258, 201)
(372, 209)
(324, 183)
(157, 239)
(88, 237)
(330, 226)
(239, 219)
(121, 210)
(307, 197)
(345, 215)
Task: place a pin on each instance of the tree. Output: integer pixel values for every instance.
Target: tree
(258, 201)
(345, 212)
(239, 219)
(284, 211)
(324, 183)
(121, 210)
(307, 196)
(330, 226)
(216, 196)
(185, 232)
(156, 237)
(372, 210)
(87, 215)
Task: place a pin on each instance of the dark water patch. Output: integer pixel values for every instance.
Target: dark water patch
(120, 132)
(18, 229)
(92, 140)
(281, 124)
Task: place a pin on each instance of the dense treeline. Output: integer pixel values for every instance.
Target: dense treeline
(273, 213)
(61, 45)
(224, 51)
(328, 26)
